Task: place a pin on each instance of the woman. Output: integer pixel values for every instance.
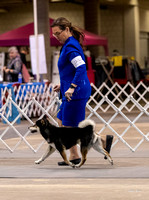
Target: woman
(14, 66)
(74, 84)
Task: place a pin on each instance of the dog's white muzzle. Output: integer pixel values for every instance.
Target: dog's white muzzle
(33, 128)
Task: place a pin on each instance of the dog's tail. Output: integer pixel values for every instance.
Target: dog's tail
(87, 122)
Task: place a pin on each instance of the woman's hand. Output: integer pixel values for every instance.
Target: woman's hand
(7, 70)
(4, 68)
(68, 93)
(56, 88)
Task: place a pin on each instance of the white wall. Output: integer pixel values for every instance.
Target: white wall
(111, 19)
(112, 27)
(73, 12)
(144, 20)
(21, 15)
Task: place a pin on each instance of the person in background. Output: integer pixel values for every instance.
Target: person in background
(23, 52)
(115, 52)
(14, 65)
(74, 84)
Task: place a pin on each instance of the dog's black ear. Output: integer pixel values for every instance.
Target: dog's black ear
(45, 117)
(38, 123)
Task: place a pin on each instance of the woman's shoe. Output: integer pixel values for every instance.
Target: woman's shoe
(75, 161)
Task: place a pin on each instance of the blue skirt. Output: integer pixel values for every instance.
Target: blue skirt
(72, 112)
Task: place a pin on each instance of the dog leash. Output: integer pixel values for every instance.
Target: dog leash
(57, 101)
(56, 113)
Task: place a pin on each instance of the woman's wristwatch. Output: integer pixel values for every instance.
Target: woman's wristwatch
(72, 86)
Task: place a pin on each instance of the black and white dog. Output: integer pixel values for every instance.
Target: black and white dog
(62, 138)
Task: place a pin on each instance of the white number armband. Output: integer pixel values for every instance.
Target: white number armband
(77, 61)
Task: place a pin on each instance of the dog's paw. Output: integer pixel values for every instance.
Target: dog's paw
(111, 162)
(77, 166)
(33, 129)
(72, 165)
(38, 162)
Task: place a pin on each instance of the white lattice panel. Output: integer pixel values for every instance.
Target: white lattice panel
(105, 106)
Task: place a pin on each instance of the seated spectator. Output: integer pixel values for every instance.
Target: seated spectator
(14, 66)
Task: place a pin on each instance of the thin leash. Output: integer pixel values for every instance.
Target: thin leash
(58, 102)
(56, 113)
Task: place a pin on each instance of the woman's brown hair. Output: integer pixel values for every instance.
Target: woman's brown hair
(62, 23)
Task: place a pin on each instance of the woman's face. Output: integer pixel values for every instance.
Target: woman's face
(61, 35)
(12, 54)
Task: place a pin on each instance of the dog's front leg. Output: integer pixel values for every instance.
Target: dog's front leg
(84, 152)
(49, 151)
(64, 156)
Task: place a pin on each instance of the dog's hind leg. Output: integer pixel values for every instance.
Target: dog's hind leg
(49, 151)
(98, 147)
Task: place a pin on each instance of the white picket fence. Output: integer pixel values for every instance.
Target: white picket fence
(106, 106)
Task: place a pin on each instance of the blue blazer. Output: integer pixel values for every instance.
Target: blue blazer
(69, 73)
